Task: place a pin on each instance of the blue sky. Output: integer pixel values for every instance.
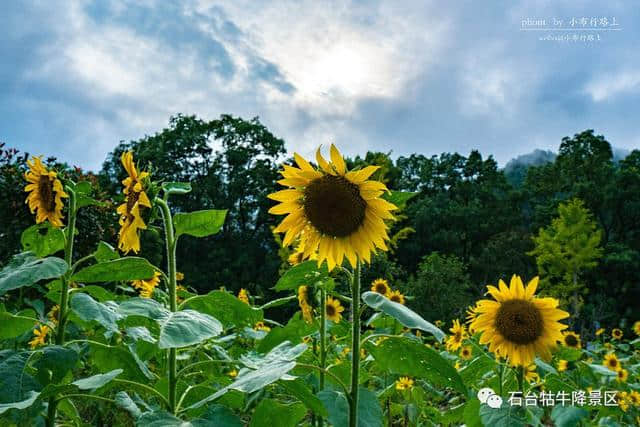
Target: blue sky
(79, 76)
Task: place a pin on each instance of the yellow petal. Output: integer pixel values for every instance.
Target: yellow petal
(337, 160)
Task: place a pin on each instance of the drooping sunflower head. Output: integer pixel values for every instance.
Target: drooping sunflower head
(243, 296)
(334, 310)
(380, 286)
(305, 305)
(562, 365)
(466, 352)
(518, 325)
(457, 337)
(571, 339)
(146, 287)
(616, 333)
(131, 221)
(636, 327)
(611, 361)
(622, 375)
(404, 383)
(334, 212)
(54, 314)
(396, 296)
(45, 193)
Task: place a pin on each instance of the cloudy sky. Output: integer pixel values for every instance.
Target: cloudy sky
(76, 77)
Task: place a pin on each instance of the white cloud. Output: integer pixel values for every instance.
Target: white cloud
(613, 84)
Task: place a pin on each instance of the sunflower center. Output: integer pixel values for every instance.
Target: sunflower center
(519, 321)
(47, 194)
(570, 341)
(381, 288)
(331, 310)
(613, 363)
(334, 206)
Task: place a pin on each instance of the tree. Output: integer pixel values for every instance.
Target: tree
(565, 250)
(440, 287)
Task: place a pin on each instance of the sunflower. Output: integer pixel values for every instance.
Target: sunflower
(611, 361)
(336, 213)
(622, 375)
(571, 339)
(260, 326)
(599, 332)
(243, 296)
(616, 333)
(233, 373)
(458, 335)
(45, 193)
(562, 365)
(530, 374)
(517, 325)
(623, 400)
(404, 383)
(303, 301)
(634, 397)
(380, 286)
(297, 256)
(54, 314)
(396, 296)
(333, 308)
(466, 352)
(146, 287)
(40, 335)
(636, 327)
(135, 197)
(179, 276)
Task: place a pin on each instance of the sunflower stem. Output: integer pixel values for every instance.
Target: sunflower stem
(64, 294)
(355, 346)
(170, 241)
(520, 375)
(323, 342)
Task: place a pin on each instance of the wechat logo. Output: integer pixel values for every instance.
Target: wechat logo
(488, 396)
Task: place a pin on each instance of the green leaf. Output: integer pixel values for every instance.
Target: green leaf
(13, 326)
(33, 396)
(505, 416)
(404, 356)
(105, 252)
(369, 411)
(398, 198)
(269, 410)
(42, 239)
(15, 381)
(160, 419)
(187, 327)
(25, 269)
(125, 402)
(602, 370)
(568, 416)
(176, 187)
(199, 223)
(477, 368)
(145, 307)
(262, 371)
(305, 273)
(293, 332)
(96, 381)
(471, 413)
(108, 358)
(299, 389)
(402, 314)
(89, 309)
(226, 308)
(54, 364)
(569, 354)
(128, 268)
(220, 416)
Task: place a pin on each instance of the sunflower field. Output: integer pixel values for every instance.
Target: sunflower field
(95, 332)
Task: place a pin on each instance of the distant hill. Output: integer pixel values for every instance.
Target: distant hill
(516, 169)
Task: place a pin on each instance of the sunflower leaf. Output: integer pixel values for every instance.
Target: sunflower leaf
(306, 272)
(176, 187)
(199, 223)
(187, 327)
(402, 314)
(128, 268)
(13, 326)
(25, 269)
(42, 239)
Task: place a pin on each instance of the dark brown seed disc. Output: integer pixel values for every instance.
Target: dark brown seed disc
(519, 321)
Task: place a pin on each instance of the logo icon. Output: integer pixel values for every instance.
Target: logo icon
(488, 396)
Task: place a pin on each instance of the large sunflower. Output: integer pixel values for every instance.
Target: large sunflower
(336, 213)
(130, 218)
(518, 325)
(45, 193)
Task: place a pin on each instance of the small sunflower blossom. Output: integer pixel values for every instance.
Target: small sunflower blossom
(131, 221)
(571, 339)
(243, 296)
(396, 296)
(179, 276)
(562, 365)
(530, 374)
(458, 335)
(333, 212)
(260, 326)
(146, 287)
(516, 324)
(466, 352)
(622, 397)
(333, 310)
(634, 398)
(636, 327)
(622, 375)
(404, 383)
(45, 193)
(611, 361)
(303, 302)
(599, 332)
(380, 286)
(233, 373)
(40, 336)
(616, 333)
